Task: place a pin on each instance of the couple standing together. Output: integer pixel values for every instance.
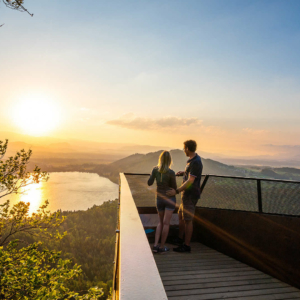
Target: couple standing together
(166, 200)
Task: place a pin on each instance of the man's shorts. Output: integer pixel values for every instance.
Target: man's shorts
(187, 207)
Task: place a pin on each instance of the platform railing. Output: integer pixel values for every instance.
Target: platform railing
(261, 195)
(136, 276)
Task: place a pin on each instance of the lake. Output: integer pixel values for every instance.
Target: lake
(68, 191)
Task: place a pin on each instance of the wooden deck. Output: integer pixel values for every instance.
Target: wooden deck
(207, 274)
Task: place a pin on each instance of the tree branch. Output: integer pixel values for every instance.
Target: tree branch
(18, 7)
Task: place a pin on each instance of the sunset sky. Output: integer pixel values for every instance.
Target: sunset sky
(226, 73)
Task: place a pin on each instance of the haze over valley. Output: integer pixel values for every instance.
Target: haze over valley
(55, 154)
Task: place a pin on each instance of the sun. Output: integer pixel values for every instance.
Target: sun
(36, 115)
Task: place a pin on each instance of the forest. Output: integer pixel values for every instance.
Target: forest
(90, 243)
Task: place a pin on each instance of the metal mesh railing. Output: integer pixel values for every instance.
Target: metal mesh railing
(227, 192)
(280, 197)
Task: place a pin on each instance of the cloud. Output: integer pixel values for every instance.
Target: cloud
(129, 121)
(255, 131)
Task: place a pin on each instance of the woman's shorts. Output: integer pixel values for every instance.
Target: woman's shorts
(167, 203)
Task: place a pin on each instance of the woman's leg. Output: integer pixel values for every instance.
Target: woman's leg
(166, 226)
(159, 227)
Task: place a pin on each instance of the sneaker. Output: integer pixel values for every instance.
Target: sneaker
(164, 249)
(182, 248)
(155, 249)
(177, 241)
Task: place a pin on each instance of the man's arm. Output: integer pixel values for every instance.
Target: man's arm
(183, 187)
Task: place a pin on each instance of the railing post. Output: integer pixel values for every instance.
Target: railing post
(259, 200)
(204, 183)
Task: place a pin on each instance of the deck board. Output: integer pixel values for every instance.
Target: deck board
(207, 274)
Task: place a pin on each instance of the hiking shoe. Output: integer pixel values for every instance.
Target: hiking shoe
(163, 250)
(155, 249)
(182, 248)
(177, 241)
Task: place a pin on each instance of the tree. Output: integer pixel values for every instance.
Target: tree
(13, 173)
(30, 271)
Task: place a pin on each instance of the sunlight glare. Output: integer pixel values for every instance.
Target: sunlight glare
(36, 115)
(31, 194)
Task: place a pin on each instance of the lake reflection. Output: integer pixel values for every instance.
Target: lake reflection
(68, 191)
(32, 194)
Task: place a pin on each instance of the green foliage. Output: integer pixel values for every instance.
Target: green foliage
(34, 272)
(17, 220)
(31, 272)
(90, 242)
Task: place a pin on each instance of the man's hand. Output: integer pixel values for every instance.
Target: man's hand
(184, 186)
(171, 192)
(179, 173)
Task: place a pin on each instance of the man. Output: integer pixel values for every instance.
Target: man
(190, 189)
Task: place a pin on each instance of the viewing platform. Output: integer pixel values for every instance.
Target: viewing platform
(245, 245)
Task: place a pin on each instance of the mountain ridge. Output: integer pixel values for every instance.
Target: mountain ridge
(143, 163)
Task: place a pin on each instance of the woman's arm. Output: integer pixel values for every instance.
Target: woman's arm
(152, 177)
(173, 183)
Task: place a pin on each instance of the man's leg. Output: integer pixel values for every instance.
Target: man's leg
(188, 232)
(188, 215)
(179, 240)
(188, 235)
(181, 225)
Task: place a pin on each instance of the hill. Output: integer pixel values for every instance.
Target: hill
(143, 163)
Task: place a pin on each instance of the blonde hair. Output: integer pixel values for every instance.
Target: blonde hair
(164, 162)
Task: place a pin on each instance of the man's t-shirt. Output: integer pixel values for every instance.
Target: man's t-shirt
(194, 168)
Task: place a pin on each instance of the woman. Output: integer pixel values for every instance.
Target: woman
(165, 179)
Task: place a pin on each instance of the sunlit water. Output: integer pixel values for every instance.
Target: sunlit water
(68, 191)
